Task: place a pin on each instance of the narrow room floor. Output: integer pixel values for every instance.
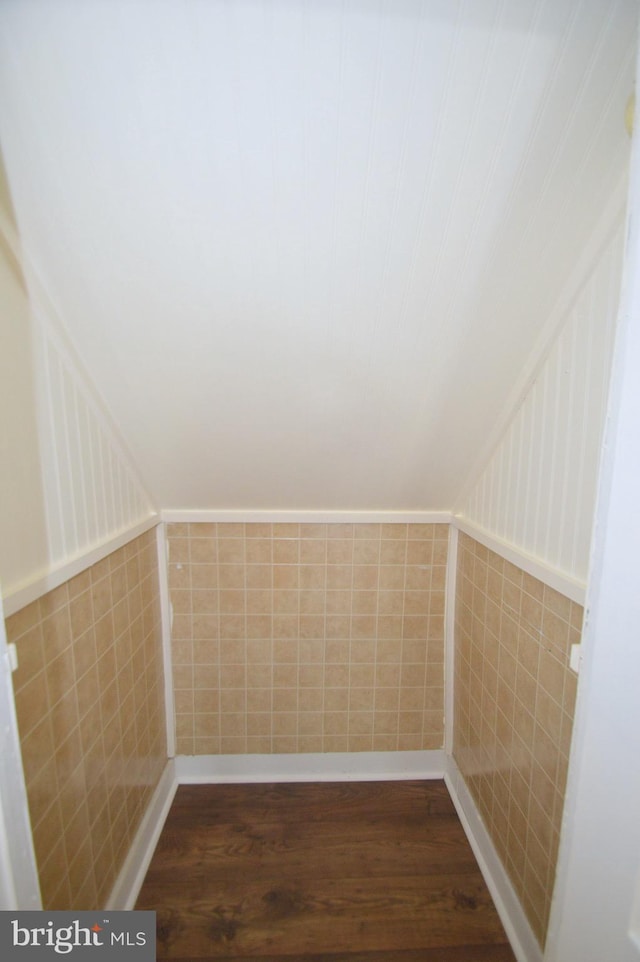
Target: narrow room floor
(322, 872)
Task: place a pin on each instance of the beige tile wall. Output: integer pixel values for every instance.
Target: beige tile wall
(513, 713)
(90, 703)
(307, 638)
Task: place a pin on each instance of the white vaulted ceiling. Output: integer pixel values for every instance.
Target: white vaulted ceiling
(305, 248)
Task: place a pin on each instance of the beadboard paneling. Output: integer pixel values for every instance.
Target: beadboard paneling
(538, 490)
(73, 487)
(92, 490)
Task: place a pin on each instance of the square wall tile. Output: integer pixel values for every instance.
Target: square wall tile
(318, 619)
(513, 715)
(90, 703)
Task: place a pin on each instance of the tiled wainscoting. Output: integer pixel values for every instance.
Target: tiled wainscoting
(307, 637)
(90, 703)
(291, 638)
(513, 713)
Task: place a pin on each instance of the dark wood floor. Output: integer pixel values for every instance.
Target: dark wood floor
(340, 872)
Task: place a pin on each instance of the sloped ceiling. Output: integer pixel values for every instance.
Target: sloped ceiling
(304, 248)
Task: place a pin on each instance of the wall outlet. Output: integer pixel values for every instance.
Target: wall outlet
(11, 657)
(574, 658)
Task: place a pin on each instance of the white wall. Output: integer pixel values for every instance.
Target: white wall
(537, 491)
(594, 916)
(230, 270)
(305, 248)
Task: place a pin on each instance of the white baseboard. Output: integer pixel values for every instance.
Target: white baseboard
(520, 934)
(320, 767)
(127, 886)
(338, 766)
(220, 769)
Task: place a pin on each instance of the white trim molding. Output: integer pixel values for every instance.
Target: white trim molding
(449, 645)
(230, 769)
(19, 883)
(339, 766)
(166, 621)
(129, 882)
(558, 580)
(520, 934)
(48, 580)
(267, 516)
(310, 767)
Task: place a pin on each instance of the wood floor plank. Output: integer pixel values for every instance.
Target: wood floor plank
(232, 851)
(337, 800)
(346, 872)
(468, 953)
(330, 916)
